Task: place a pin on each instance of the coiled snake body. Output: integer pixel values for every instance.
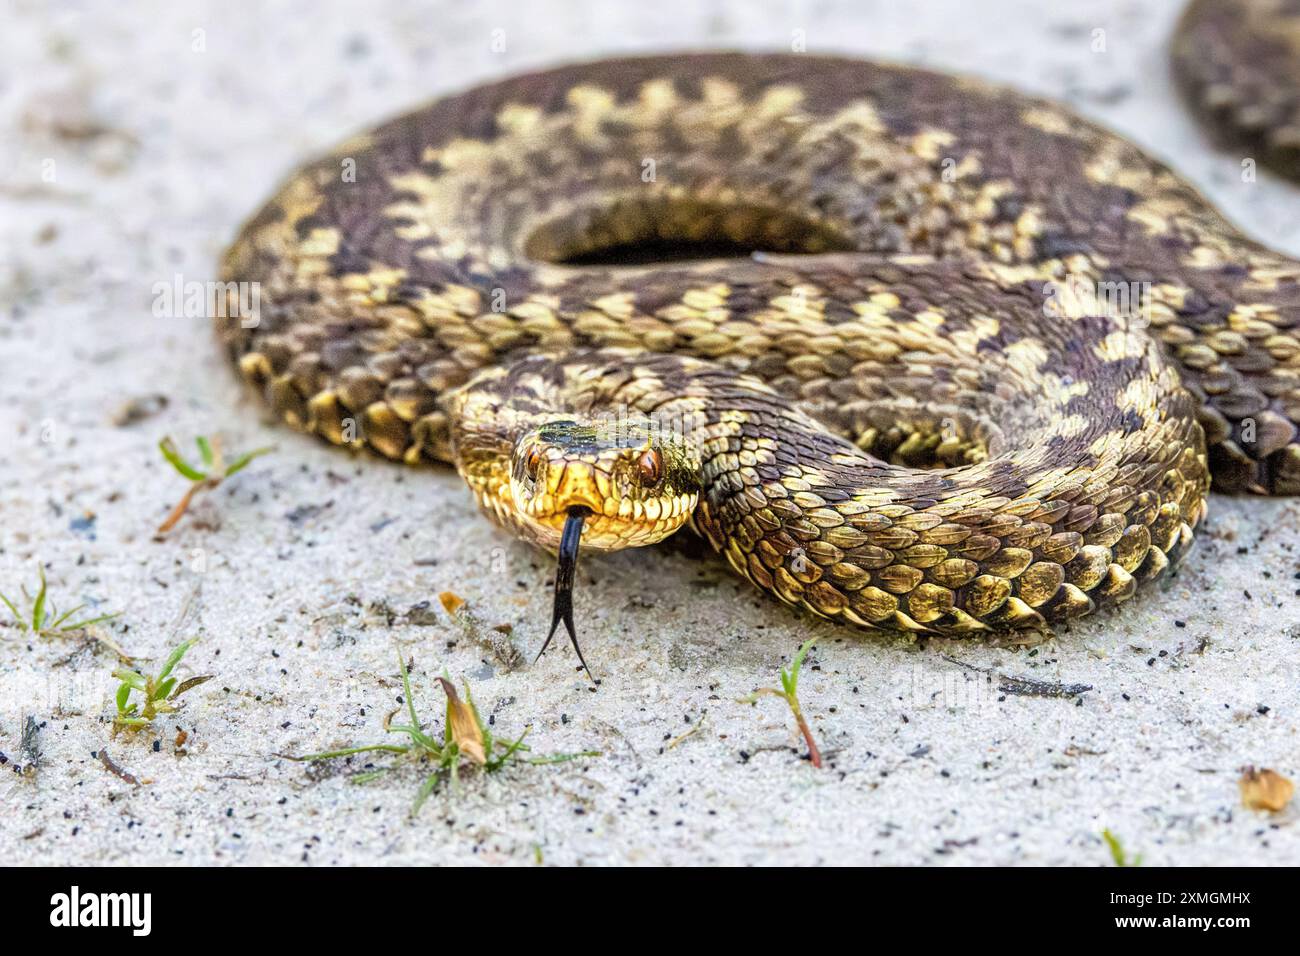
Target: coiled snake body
(925, 406)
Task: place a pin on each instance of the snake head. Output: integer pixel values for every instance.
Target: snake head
(638, 483)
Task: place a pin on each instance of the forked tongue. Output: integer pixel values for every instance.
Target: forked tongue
(570, 538)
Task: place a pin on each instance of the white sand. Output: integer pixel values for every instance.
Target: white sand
(158, 150)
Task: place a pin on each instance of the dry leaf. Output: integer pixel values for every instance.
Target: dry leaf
(451, 603)
(465, 731)
(1265, 789)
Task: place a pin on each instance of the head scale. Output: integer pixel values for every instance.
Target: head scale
(568, 481)
(639, 482)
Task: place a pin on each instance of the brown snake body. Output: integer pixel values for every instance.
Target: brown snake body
(927, 408)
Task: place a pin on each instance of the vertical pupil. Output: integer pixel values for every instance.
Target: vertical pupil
(649, 462)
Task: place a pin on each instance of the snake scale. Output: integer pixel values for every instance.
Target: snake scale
(915, 407)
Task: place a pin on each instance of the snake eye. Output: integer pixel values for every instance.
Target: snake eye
(649, 466)
(533, 463)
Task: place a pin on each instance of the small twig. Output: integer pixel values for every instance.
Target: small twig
(29, 746)
(1025, 686)
(690, 733)
(115, 770)
(183, 505)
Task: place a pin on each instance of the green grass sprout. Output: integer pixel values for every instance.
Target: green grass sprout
(42, 620)
(212, 471)
(159, 692)
(465, 738)
(1117, 851)
(790, 694)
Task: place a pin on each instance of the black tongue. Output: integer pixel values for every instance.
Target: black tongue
(570, 538)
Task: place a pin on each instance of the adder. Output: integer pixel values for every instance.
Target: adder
(911, 351)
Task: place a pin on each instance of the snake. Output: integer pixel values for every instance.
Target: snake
(909, 350)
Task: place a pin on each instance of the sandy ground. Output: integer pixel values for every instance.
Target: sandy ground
(135, 139)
